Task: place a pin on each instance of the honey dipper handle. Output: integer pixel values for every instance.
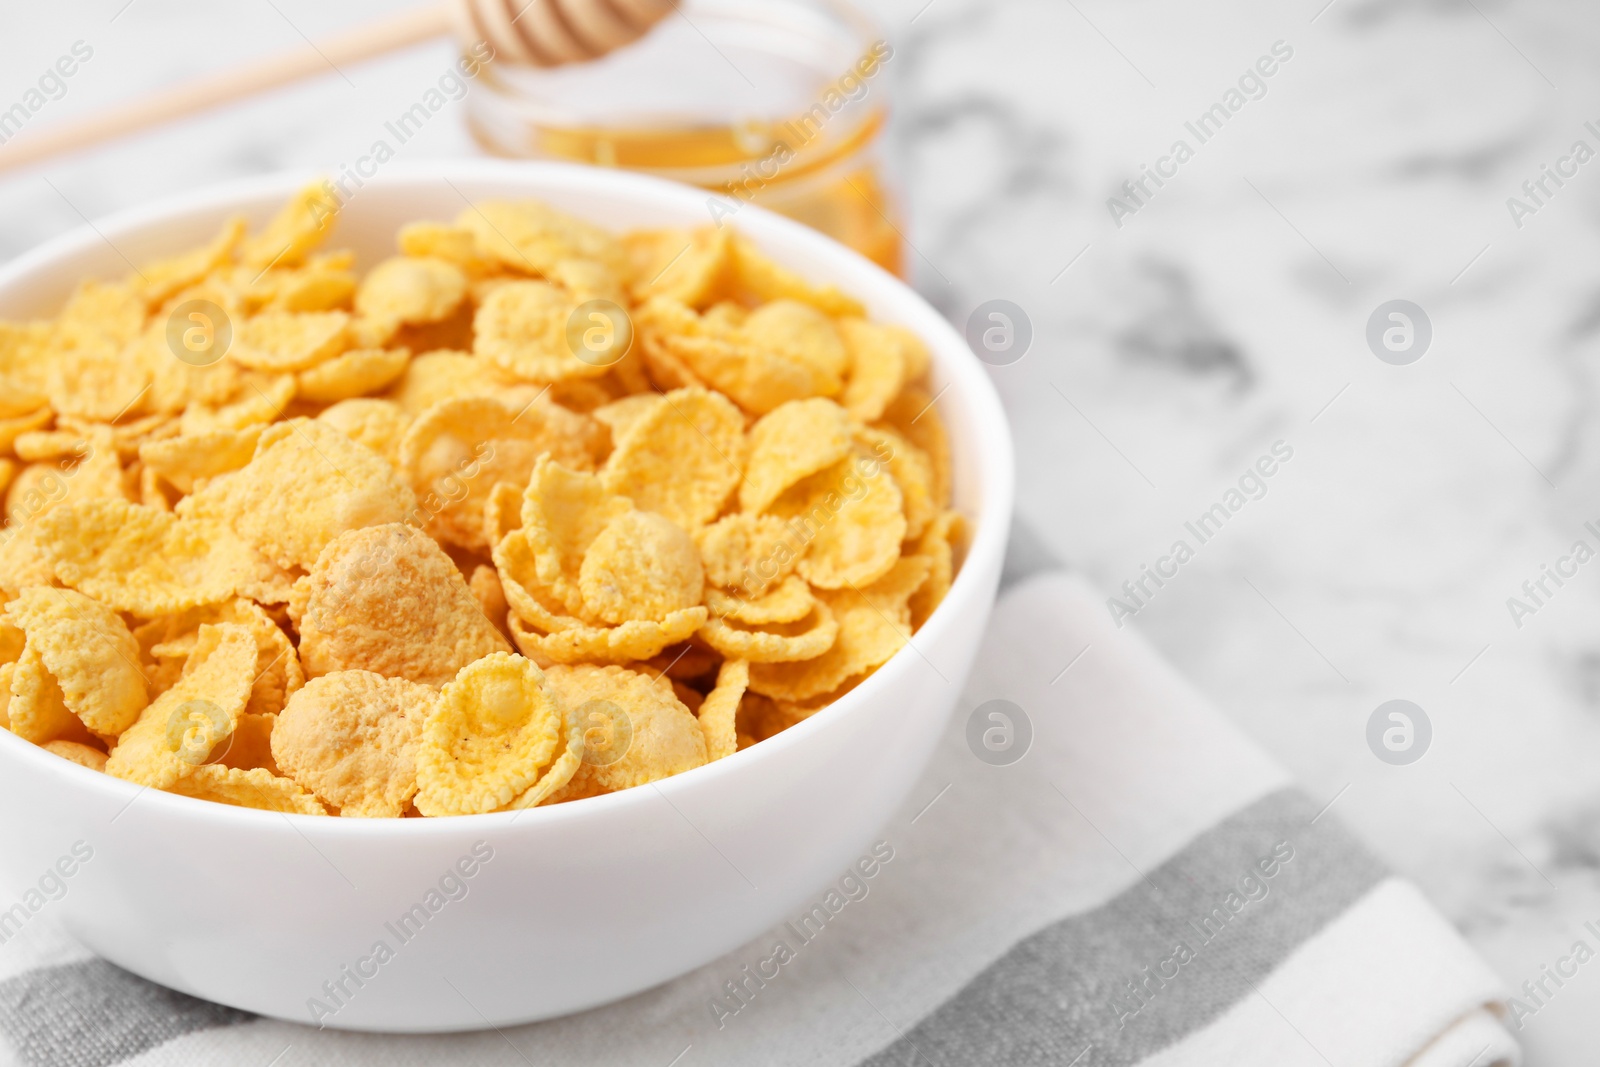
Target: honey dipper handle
(188, 98)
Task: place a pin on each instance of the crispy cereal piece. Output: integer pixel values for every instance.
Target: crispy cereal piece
(720, 709)
(458, 450)
(37, 711)
(379, 424)
(182, 461)
(937, 545)
(490, 593)
(790, 601)
(874, 624)
(748, 553)
(296, 231)
(641, 566)
(618, 415)
(689, 266)
(521, 329)
(563, 511)
(804, 639)
(762, 279)
(527, 595)
(136, 559)
(412, 289)
(7, 671)
(256, 788)
(446, 374)
(286, 341)
(802, 334)
(257, 399)
(163, 279)
(307, 484)
(387, 599)
(615, 644)
(664, 737)
(89, 651)
(533, 238)
(681, 458)
(15, 426)
(178, 732)
(913, 415)
(794, 441)
(78, 752)
(453, 244)
(881, 364)
(486, 740)
(502, 512)
(351, 374)
(853, 520)
(758, 379)
(911, 470)
(250, 745)
(351, 738)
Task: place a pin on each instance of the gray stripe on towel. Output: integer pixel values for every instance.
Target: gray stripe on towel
(93, 1014)
(1066, 989)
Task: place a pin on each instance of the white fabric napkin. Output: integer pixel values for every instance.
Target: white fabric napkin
(1105, 873)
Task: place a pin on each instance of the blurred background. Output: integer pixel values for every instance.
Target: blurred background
(1178, 331)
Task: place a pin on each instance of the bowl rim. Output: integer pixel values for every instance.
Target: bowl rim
(991, 449)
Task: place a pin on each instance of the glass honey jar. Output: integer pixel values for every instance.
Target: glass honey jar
(780, 103)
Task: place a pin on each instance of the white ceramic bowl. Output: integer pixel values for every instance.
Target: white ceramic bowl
(579, 904)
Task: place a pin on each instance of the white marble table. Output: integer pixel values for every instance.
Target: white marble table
(1226, 313)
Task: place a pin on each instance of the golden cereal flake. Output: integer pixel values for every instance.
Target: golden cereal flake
(387, 599)
(285, 341)
(307, 484)
(183, 461)
(681, 458)
(180, 730)
(792, 442)
(351, 374)
(134, 558)
(852, 519)
(641, 566)
(749, 553)
(521, 329)
(626, 643)
(488, 737)
(412, 289)
(720, 709)
(351, 738)
(297, 230)
(803, 639)
(458, 450)
(256, 788)
(874, 624)
(532, 238)
(36, 710)
(563, 511)
(663, 736)
(379, 424)
(90, 652)
(78, 752)
(789, 601)
(801, 334)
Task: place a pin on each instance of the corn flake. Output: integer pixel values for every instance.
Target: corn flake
(89, 651)
(486, 740)
(681, 458)
(719, 711)
(387, 599)
(179, 731)
(256, 788)
(352, 374)
(351, 738)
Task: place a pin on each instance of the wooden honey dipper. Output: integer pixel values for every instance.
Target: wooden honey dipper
(542, 33)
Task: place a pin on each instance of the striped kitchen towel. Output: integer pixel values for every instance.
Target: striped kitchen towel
(1097, 869)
